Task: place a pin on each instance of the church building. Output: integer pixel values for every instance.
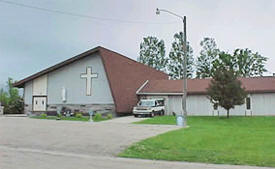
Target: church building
(104, 81)
(100, 80)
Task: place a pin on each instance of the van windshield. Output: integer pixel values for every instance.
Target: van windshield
(150, 103)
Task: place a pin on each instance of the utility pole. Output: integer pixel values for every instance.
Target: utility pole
(184, 97)
(182, 118)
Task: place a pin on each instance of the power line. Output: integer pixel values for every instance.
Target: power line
(80, 15)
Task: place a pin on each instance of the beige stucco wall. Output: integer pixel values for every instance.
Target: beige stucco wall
(40, 86)
(28, 93)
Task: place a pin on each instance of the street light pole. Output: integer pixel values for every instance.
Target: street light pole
(184, 97)
(184, 46)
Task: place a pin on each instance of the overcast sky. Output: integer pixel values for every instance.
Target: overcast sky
(31, 39)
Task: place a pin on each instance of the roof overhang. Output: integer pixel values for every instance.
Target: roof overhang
(172, 94)
(159, 94)
(197, 93)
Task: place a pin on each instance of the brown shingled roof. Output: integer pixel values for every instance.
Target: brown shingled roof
(199, 86)
(125, 76)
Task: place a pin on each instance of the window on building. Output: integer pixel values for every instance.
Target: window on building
(248, 103)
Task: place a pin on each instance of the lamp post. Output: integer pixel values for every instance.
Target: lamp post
(184, 96)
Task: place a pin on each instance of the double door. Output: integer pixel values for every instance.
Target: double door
(39, 103)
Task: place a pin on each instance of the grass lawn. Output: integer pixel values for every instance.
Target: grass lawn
(237, 140)
(84, 118)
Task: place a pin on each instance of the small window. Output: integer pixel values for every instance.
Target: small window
(248, 103)
(36, 102)
(43, 102)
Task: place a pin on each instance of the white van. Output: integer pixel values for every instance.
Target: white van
(149, 107)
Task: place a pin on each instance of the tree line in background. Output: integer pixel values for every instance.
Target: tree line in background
(11, 100)
(244, 62)
(225, 89)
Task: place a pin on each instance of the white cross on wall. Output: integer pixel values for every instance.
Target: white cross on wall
(88, 76)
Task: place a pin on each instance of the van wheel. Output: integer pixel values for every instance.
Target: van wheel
(136, 115)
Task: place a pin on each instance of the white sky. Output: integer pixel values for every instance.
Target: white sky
(31, 40)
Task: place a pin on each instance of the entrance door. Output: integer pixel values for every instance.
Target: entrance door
(39, 103)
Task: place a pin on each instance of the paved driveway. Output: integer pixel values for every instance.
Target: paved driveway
(48, 144)
(101, 138)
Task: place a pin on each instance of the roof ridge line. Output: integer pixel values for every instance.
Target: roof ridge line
(55, 66)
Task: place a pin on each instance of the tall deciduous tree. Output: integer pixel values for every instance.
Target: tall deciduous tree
(175, 66)
(152, 53)
(225, 60)
(225, 89)
(248, 63)
(11, 100)
(208, 54)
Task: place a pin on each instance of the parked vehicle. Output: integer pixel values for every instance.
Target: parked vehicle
(149, 107)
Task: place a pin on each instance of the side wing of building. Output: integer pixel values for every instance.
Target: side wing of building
(259, 102)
